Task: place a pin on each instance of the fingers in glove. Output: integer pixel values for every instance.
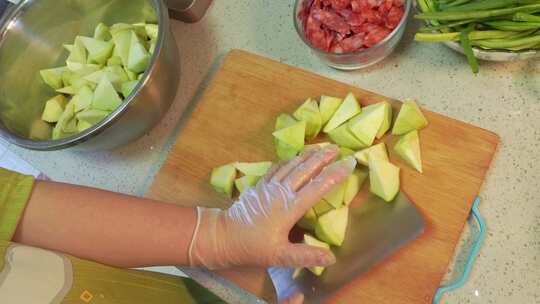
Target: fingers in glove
(311, 167)
(268, 176)
(325, 182)
(287, 168)
(302, 255)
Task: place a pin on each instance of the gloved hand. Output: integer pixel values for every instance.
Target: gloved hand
(254, 230)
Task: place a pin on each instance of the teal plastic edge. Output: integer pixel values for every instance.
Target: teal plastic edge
(474, 253)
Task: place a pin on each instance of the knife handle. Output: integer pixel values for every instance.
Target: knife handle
(474, 252)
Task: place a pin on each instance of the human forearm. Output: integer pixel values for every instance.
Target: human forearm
(106, 227)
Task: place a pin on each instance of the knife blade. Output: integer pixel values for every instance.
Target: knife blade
(376, 229)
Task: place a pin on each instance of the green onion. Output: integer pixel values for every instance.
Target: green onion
(443, 6)
(524, 34)
(525, 47)
(483, 5)
(503, 43)
(425, 6)
(438, 37)
(504, 25)
(467, 48)
(526, 17)
(455, 36)
(447, 25)
(511, 25)
(477, 14)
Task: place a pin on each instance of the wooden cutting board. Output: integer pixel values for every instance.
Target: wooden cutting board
(234, 121)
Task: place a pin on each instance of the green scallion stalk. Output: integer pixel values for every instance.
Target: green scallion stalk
(516, 26)
(506, 44)
(526, 17)
(447, 25)
(525, 47)
(477, 14)
(425, 6)
(467, 48)
(446, 5)
(455, 36)
(511, 25)
(489, 4)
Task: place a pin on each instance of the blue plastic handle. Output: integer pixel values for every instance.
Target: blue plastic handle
(481, 236)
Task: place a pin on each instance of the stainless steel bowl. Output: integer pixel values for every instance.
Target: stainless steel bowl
(31, 38)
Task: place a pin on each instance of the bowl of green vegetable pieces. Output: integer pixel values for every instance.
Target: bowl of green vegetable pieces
(86, 74)
(494, 30)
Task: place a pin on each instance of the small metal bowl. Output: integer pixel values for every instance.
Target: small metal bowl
(360, 59)
(495, 55)
(31, 38)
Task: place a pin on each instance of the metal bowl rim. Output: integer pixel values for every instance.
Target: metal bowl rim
(47, 145)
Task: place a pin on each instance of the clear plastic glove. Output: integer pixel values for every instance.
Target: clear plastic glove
(254, 230)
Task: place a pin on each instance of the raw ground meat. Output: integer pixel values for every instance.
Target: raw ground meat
(344, 26)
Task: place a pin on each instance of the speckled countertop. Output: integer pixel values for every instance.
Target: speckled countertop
(504, 98)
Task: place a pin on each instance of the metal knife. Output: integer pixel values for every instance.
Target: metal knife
(376, 229)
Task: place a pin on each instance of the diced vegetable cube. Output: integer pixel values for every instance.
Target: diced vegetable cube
(408, 148)
(348, 109)
(114, 60)
(67, 124)
(105, 96)
(344, 138)
(83, 125)
(335, 197)
(410, 118)
(293, 135)
(78, 53)
(122, 44)
(67, 90)
(98, 51)
(54, 108)
(92, 116)
(312, 241)
(331, 226)
(322, 207)
(127, 87)
(53, 77)
(139, 58)
(344, 152)
(254, 169)
(328, 106)
(309, 112)
(102, 32)
(308, 221)
(387, 121)
(366, 125)
(245, 182)
(83, 99)
(152, 31)
(377, 151)
(383, 178)
(222, 179)
(353, 184)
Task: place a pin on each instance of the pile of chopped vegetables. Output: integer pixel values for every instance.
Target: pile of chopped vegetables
(355, 129)
(100, 72)
(344, 26)
(510, 25)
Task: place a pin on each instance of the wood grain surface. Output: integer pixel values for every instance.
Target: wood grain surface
(234, 121)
